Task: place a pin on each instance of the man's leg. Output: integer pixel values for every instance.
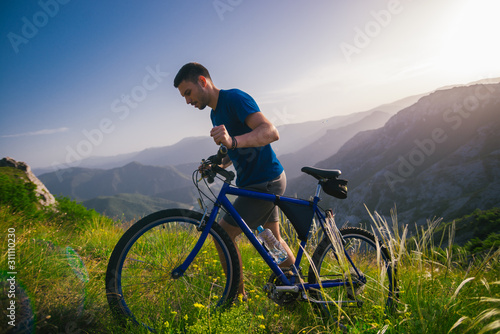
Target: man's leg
(233, 232)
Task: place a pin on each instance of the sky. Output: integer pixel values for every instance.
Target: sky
(95, 78)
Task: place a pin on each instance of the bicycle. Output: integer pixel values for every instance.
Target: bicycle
(165, 263)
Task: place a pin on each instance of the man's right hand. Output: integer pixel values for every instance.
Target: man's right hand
(221, 136)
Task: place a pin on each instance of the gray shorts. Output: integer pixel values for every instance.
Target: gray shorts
(257, 212)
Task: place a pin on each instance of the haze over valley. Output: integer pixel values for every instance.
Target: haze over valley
(434, 155)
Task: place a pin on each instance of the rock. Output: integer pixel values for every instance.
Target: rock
(43, 194)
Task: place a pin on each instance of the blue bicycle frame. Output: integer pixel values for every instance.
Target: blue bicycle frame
(222, 200)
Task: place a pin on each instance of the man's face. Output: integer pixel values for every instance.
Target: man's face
(194, 93)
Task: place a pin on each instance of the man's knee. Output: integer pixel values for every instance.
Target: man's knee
(275, 228)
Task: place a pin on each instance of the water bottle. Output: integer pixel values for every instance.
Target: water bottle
(275, 248)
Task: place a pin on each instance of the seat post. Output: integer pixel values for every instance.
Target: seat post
(318, 190)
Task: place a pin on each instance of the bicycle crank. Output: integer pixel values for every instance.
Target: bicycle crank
(278, 292)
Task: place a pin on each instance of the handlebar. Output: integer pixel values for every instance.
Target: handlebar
(210, 167)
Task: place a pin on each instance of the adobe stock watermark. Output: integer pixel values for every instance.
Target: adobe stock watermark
(223, 6)
(364, 35)
(31, 26)
(280, 117)
(425, 148)
(121, 108)
(12, 272)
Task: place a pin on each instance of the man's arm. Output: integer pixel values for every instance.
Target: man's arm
(263, 133)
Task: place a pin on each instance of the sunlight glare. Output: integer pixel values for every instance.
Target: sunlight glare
(470, 45)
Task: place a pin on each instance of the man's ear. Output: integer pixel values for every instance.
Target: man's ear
(202, 80)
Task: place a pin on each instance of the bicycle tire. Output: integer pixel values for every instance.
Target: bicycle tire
(381, 276)
(139, 284)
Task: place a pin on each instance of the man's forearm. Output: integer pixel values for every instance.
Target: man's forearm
(260, 136)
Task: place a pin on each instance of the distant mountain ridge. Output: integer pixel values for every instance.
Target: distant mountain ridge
(329, 143)
(293, 136)
(85, 183)
(437, 158)
(187, 150)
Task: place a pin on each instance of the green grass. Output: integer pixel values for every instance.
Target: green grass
(439, 290)
(61, 259)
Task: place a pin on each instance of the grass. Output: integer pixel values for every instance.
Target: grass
(61, 259)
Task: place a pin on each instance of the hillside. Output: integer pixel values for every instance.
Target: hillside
(471, 228)
(306, 136)
(330, 142)
(437, 158)
(130, 207)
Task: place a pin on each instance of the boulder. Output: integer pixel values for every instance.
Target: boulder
(43, 194)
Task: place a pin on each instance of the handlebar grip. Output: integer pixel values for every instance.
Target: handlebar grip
(221, 153)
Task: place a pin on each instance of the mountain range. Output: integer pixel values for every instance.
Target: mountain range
(293, 136)
(437, 158)
(127, 192)
(86, 183)
(433, 154)
(329, 143)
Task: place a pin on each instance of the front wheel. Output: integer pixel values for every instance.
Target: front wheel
(139, 282)
(369, 280)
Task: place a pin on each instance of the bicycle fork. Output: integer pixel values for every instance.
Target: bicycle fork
(204, 227)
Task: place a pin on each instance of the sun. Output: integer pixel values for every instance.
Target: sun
(470, 45)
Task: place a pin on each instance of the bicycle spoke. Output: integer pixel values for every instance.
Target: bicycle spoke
(364, 269)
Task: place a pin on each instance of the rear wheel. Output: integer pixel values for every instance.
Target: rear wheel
(372, 279)
(139, 282)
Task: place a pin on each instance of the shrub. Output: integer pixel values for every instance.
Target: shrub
(74, 212)
(476, 245)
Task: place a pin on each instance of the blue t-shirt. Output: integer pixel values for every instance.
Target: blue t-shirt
(253, 164)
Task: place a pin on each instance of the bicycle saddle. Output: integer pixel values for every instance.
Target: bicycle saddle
(321, 174)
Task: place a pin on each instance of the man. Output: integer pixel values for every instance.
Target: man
(247, 133)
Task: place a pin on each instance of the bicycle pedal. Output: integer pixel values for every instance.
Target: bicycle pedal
(354, 286)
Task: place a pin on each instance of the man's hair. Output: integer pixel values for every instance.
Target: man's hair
(190, 72)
